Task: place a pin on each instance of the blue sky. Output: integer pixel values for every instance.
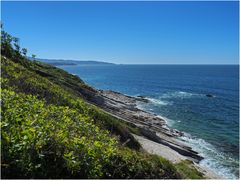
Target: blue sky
(127, 32)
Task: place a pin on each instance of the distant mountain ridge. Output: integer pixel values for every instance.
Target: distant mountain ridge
(60, 62)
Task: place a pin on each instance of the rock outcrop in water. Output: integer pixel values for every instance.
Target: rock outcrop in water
(209, 95)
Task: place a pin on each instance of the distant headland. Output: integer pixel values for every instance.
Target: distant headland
(62, 62)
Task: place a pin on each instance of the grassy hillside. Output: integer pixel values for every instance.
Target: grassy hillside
(49, 130)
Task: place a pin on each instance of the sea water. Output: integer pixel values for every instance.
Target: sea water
(179, 94)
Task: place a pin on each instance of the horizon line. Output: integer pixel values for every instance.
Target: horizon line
(175, 64)
(103, 61)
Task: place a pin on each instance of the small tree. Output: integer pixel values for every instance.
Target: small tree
(16, 44)
(6, 43)
(24, 51)
(33, 56)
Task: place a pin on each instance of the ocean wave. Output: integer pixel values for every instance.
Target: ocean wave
(180, 94)
(158, 101)
(162, 100)
(218, 162)
(169, 122)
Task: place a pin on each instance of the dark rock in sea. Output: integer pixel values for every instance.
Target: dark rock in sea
(142, 98)
(176, 132)
(209, 95)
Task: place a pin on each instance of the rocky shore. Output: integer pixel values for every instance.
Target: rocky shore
(150, 125)
(157, 137)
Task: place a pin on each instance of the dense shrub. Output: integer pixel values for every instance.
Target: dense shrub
(132, 164)
(23, 80)
(36, 137)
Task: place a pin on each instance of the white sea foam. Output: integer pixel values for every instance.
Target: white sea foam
(213, 159)
(168, 121)
(141, 106)
(159, 101)
(180, 94)
(163, 99)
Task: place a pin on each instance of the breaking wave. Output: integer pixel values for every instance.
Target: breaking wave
(218, 162)
(180, 94)
(214, 160)
(159, 101)
(165, 99)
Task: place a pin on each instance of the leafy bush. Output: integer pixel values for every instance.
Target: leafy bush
(23, 80)
(35, 135)
(187, 170)
(132, 164)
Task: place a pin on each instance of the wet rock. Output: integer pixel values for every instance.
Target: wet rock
(209, 95)
(142, 98)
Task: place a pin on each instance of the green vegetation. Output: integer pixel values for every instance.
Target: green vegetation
(23, 80)
(49, 130)
(187, 170)
(36, 137)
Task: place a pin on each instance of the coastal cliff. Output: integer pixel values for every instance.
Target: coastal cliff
(56, 126)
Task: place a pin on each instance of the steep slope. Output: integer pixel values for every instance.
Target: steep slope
(49, 130)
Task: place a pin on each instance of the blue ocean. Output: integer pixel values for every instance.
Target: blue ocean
(178, 94)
